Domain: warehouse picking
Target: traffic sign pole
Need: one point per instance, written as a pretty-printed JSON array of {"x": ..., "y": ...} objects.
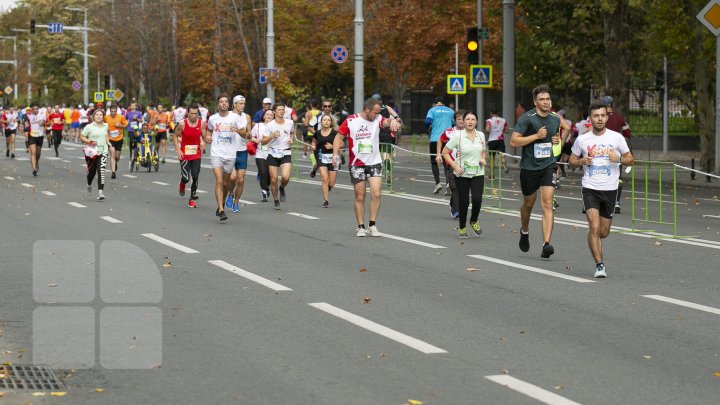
[{"x": 479, "y": 94}]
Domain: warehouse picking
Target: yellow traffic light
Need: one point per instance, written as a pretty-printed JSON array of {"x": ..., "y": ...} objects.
[{"x": 472, "y": 45}]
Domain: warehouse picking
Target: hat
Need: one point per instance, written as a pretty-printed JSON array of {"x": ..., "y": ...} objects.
[
  {"x": 267, "y": 101},
  {"x": 439, "y": 100},
  {"x": 239, "y": 98},
  {"x": 607, "y": 100},
  {"x": 80, "y": 105},
  {"x": 376, "y": 96}
]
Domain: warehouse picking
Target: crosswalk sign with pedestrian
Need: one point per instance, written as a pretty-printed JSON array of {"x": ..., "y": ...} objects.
[
  {"x": 481, "y": 76},
  {"x": 456, "y": 84}
]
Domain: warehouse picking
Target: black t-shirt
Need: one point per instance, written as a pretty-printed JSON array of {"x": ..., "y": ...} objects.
[
  {"x": 537, "y": 155},
  {"x": 321, "y": 140}
]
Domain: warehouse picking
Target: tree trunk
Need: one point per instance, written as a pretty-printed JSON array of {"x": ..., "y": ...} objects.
[
  {"x": 618, "y": 57},
  {"x": 705, "y": 85}
]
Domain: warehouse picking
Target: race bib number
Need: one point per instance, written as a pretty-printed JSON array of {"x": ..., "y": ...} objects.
[
  {"x": 56, "y": 120},
  {"x": 543, "y": 150},
  {"x": 600, "y": 167},
  {"x": 114, "y": 134},
  {"x": 326, "y": 158},
  {"x": 191, "y": 149},
  {"x": 34, "y": 132},
  {"x": 162, "y": 126},
  {"x": 471, "y": 170},
  {"x": 134, "y": 125},
  {"x": 264, "y": 147},
  {"x": 277, "y": 153},
  {"x": 365, "y": 147}
]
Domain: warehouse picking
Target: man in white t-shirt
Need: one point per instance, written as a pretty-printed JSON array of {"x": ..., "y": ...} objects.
[
  {"x": 237, "y": 178},
  {"x": 279, "y": 137},
  {"x": 363, "y": 135},
  {"x": 600, "y": 152},
  {"x": 496, "y": 128},
  {"x": 222, "y": 130},
  {"x": 34, "y": 134}
]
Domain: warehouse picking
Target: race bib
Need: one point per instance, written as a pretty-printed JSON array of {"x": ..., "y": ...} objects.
[
  {"x": 34, "y": 132},
  {"x": 365, "y": 147},
  {"x": 600, "y": 167},
  {"x": 56, "y": 120},
  {"x": 326, "y": 158},
  {"x": 264, "y": 147},
  {"x": 191, "y": 149},
  {"x": 134, "y": 125},
  {"x": 543, "y": 150},
  {"x": 114, "y": 134},
  {"x": 162, "y": 126},
  {"x": 471, "y": 170},
  {"x": 277, "y": 153}
]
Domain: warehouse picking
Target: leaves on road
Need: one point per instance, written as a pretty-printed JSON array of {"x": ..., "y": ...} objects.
[
  {"x": 366, "y": 300},
  {"x": 559, "y": 387},
  {"x": 414, "y": 402},
  {"x": 568, "y": 268},
  {"x": 58, "y": 394},
  {"x": 168, "y": 264},
  {"x": 647, "y": 357},
  {"x": 658, "y": 243},
  {"x": 472, "y": 269},
  {"x": 363, "y": 269},
  {"x": 99, "y": 389},
  {"x": 716, "y": 374},
  {"x": 52, "y": 285}
]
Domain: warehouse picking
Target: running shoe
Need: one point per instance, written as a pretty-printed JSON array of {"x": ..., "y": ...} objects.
[
  {"x": 618, "y": 210},
  {"x": 235, "y": 208},
  {"x": 57, "y": 154},
  {"x": 192, "y": 204},
  {"x": 600, "y": 271},
  {"x": 277, "y": 204},
  {"x": 282, "y": 194},
  {"x": 221, "y": 215},
  {"x": 112, "y": 176},
  {"x": 326, "y": 204},
  {"x": 547, "y": 251},
  {"x": 228, "y": 201},
  {"x": 454, "y": 214},
  {"x": 182, "y": 189},
  {"x": 313, "y": 172},
  {"x": 462, "y": 233},
  {"x": 555, "y": 204},
  {"x": 373, "y": 231},
  {"x": 437, "y": 189},
  {"x": 12, "y": 156},
  {"x": 361, "y": 232},
  {"x": 524, "y": 241},
  {"x": 264, "y": 195},
  {"x": 89, "y": 190},
  {"x": 447, "y": 190},
  {"x": 100, "y": 196},
  {"x": 162, "y": 161},
  {"x": 476, "y": 228},
  {"x": 7, "y": 153},
  {"x": 35, "y": 173}
]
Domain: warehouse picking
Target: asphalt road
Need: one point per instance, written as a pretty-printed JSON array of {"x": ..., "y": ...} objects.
[{"x": 291, "y": 307}]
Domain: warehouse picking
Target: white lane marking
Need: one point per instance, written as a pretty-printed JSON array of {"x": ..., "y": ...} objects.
[
  {"x": 533, "y": 391},
  {"x": 246, "y": 202},
  {"x": 112, "y": 220},
  {"x": 422, "y": 181},
  {"x": 160, "y": 183},
  {"x": 250, "y": 276},
  {"x": 22, "y": 159},
  {"x": 9, "y": 178},
  {"x": 413, "y": 241},
  {"x": 297, "y": 214},
  {"x": 130, "y": 176},
  {"x": 704, "y": 216},
  {"x": 533, "y": 269},
  {"x": 48, "y": 193},
  {"x": 377, "y": 328},
  {"x": 66, "y": 161},
  {"x": 170, "y": 243},
  {"x": 52, "y": 158},
  {"x": 202, "y": 192},
  {"x": 72, "y": 146},
  {"x": 76, "y": 205},
  {"x": 687, "y": 304},
  {"x": 172, "y": 160},
  {"x": 27, "y": 185}
]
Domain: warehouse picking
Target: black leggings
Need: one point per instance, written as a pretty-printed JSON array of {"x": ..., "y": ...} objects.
[
  {"x": 57, "y": 138},
  {"x": 97, "y": 165},
  {"x": 465, "y": 186},
  {"x": 190, "y": 169},
  {"x": 432, "y": 149},
  {"x": 264, "y": 173}
]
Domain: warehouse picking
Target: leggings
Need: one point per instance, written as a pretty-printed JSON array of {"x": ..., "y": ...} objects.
[
  {"x": 188, "y": 169},
  {"x": 450, "y": 179},
  {"x": 264, "y": 174},
  {"x": 465, "y": 186},
  {"x": 432, "y": 148},
  {"x": 57, "y": 138},
  {"x": 97, "y": 165}
]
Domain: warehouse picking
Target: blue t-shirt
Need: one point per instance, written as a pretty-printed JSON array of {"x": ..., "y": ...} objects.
[
  {"x": 258, "y": 117},
  {"x": 441, "y": 118},
  {"x": 132, "y": 117}
]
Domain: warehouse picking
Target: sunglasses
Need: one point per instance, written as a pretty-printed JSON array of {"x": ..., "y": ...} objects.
[{"x": 326, "y": 106}]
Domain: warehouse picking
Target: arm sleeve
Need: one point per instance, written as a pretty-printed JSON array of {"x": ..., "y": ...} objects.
[{"x": 344, "y": 130}]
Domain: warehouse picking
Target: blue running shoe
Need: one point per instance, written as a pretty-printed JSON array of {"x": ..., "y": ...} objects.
[
  {"x": 228, "y": 201},
  {"x": 235, "y": 208}
]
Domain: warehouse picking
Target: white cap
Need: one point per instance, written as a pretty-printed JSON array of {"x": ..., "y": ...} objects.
[
  {"x": 80, "y": 106},
  {"x": 238, "y": 98},
  {"x": 267, "y": 101}
]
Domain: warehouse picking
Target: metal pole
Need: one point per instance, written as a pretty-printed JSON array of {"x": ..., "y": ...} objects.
[
  {"x": 665, "y": 108},
  {"x": 480, "y": 104},
  {"x": 717, "y": 105},
  {"x": 29, "y": 91},
  {"x": 270, "y": 46},
  {"x": 509, "y": 62},
  {"x": 86, "y": 78},
  {"x": 359, "y": 85},
  {"x": 457, "y": 105},
  {"x": 16, "y": 66}
]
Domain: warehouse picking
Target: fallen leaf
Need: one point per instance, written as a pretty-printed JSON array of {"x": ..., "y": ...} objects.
[
  {"x": 158, "y": 366},
  {"x": 514, "y": 231},
  {"x": 505, "y": 371},
  {"x": 716, "y": 374},
  {"x": 697, "y": 201},
  {"x": 207, "y": 235},
  {"x": 568, "y": 268},
  {"x": 382, "y": 354},
  {"x": 2, "y": 394},
  {"x": 52, "y": 285},
  {"x": 167, "y": 265},
  {"x": 658, "y": 243},
  {"x": 559, "y": 387},
  {"x": 647, "y": 357},
  {"x": 471, "y": 269},
  {"x": 38, "y": 394},
  {"x": 363, "y": 269},
  {"x": 503, "y": 338},
  {"x": 366, "y": 300},
  {"x": 58, "y": 394},
  {"x": 414, "y": 402},
  {"x": 99, "y": 389},
  {"x": 502, "y": 226},
  {"x": 521, "y": 332}
]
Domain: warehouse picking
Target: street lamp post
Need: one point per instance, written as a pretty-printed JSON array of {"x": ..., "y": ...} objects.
[
  {"x": 29, "y": 64},
  {"x": 86, "y": 70},
  {"x": 14, "y": 62}
]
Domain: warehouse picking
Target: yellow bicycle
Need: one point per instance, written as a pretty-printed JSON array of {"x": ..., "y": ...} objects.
[{"x": 144, "y": 153}]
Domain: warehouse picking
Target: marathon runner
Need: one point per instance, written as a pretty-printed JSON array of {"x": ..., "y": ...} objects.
[
  {"x": 280, "y": 137},
  {"x": 322, "y": 146},
  {"x": 188, "y": 145},
  {"x": 238, "y": 175},
  {"x": 95, "y": 135},
  {"x": 160, "y": 121},
  {"x": 34, "y": 123},
  {"x": 10, "y": 120},
  {"x": 116, "y": 123}
]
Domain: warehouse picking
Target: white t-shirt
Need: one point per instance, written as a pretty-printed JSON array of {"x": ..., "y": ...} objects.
[
  {"x": 224, "y": 137},
  {"x": 280, "y": 146},
  {"x": 83, "y": 116},
  {"x": 363, "y": 139},
  {"x": 498, "y": 125},
  {"x": 602, "y": 174},
  {"x": 179, "y": 114},
  {"x": 12, "y": 120},
  {"x": 203, "y": 113},
  {"x": 37, "y": 124},
  {"x": 258, "y": 132},
  {"x": 242, "y": 142},
  {"x": 582, "y": 126},
  {"x": 288, "y": 112}
]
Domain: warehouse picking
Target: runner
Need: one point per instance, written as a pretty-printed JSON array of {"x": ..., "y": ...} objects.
[
  {"x": 438, "y": 119},
  {"x": 10, "y": 120},
  {"x": 134, "y": 118},
  {"x": 34, "y": 123},
  {"x": 84, "y": 116},
  {"x": 96, "y": 135},
  {"x": 238, "y": 175},
  {"x": 496, "y": 128},
  {"x": 469, "y": 171},
  {"x": 222, "y": 130},
  {"x": 266, "y": 103},
  {"x": 116, "y": 123},
  {"x": 188, "y": 145},
  {"x": 280, "y": 137},
  {"x": 449, "y": 175},
  {"x": 322, "y": 143},
  {"x": 363, "y": 133},
  {"x": 314, "y": 126},
  {"x": 601, "y": 152},
  {"x": 57, "y": 124},
  {"x": 160, "y": 121},
  {"x": 536, "y": 131},
  {"x": 310, "y": 115},
  {"x": 75, "y": 123},
  {"x": 259, "y": 133}
]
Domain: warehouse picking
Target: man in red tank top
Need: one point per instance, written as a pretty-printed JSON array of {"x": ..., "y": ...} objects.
[{"x": 189, "y": 145}]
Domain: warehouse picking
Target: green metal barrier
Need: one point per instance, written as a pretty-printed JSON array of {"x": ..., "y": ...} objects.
[
  {"x": 387, "y": 152},
  {"x": 647, "y": 166},
  {"x": 493, "y": 178}
]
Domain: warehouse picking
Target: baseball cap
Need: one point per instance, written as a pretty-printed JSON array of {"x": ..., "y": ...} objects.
[
  {"x": 607, "y": 100},
  {"x": 240, "y": 98},
  {"x": 80, "y": 105},
  {"x": 376, "y": 96},
  {"x": 267, "y": 101}
]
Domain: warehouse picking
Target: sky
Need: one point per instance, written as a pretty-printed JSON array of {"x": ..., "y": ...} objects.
[{"x": 5, "y": 4}]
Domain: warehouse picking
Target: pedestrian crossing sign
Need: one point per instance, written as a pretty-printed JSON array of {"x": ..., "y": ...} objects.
[
  {"x": 456, "y": 84},
  {"x": 99, "y": 97},
  {"x": 481, "y": 76}
]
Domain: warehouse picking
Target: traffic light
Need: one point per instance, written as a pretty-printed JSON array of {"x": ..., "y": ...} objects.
[
  {"x": 32, "y": 26},
  {"x": 472, "y": 46},
  {"x": 107, "y": 81}
]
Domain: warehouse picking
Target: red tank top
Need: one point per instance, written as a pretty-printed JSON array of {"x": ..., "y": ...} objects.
[{"x": 190, "y": 142}]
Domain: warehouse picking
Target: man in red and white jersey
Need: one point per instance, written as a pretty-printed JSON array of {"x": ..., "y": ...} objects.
[
  {"x": 363, "y": 136},
  {"x": 496, "y": 128}
]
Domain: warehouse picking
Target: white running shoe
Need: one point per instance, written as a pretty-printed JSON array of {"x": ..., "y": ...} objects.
[
  {"x": 100, "y": 196},
  {"x": 373, "y": 231},
  {"x": 437, "y": 189},
  {"x": 361, "y": 232},
  {"x": 600, "y": 271}
]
